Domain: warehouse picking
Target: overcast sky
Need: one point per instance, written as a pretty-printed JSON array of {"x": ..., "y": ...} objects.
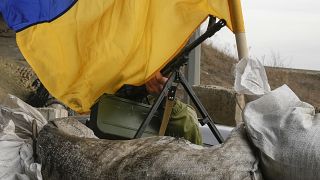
[{"x": 288, "y": 28}]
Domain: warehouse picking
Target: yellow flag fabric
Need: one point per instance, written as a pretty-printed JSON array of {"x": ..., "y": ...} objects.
[{"x": 97, "y": 46}]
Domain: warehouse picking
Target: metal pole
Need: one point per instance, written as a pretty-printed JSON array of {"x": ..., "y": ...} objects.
[
  {"x": 242, "y": 47},
  {"x": 192, "y": 70},
  {"x": 238, "y": 28}
]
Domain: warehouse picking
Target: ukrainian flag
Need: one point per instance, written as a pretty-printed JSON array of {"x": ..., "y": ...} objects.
[{"x": 81, "y": 49}]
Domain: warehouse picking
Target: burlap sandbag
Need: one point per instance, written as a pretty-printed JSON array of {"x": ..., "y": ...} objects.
[{"x": 287, "y": 133}]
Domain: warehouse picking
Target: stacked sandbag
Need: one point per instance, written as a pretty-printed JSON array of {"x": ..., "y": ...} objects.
[
  {"x": 66, "y": 155},
  {"x": 287, "y": 133},
  {"x": 16, "y": 143}
]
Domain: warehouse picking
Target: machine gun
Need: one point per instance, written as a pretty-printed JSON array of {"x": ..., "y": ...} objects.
[
  {"x": 182, "y": 57},
  {"x": 116, "y": 129},
  {"x": 175, "y": 78}
]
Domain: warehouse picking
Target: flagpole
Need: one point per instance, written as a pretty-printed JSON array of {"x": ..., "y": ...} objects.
[
  {"x": 242, "y": 47},
  {"x": 238, "y": 28}
]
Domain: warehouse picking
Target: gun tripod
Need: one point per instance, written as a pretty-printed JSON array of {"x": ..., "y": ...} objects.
[{"x": 176, "y": 78}]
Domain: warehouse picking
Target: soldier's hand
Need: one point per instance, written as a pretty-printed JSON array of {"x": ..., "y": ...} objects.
[{"x": 156, "y": 83}]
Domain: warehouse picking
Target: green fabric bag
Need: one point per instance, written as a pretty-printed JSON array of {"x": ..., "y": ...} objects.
[{"x": 113, "y": 117}]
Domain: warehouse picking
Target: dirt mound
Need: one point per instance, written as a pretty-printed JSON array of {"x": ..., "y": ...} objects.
[
  {"x": 16, "y": 78},
  {"x": 216, "y": 67}
]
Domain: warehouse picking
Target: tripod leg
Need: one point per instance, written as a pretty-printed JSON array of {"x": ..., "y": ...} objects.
[
  {"x": 206, "y": 118},
  {"x": 155, "y": 106}
]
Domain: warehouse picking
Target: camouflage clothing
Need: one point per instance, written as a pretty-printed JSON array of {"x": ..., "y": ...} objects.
[{"x": 184, "y": 123}]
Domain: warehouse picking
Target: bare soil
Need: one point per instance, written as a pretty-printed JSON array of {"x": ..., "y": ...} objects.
[{"x": 16, "y": 76}]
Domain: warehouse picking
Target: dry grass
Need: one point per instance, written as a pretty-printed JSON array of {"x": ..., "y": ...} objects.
[{"x": 216, "y": 67}]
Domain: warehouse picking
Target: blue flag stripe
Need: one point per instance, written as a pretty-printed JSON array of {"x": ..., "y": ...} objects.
[{"x": 21, "y": 14}]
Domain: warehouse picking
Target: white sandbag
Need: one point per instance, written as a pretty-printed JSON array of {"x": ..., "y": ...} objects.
[
  {"x": 16, "y": 155},
  {"x": 287, "y": 133},
  {"x": 251, "y": 78}
]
